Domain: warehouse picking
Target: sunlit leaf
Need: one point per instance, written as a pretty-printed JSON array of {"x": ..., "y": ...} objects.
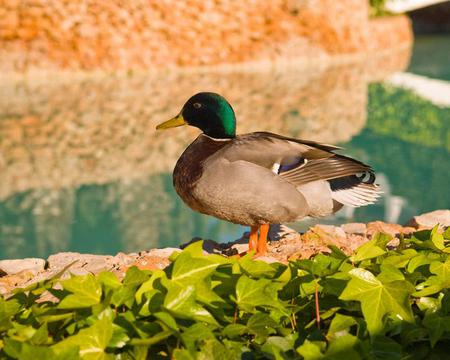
[
  {"x": 91, "y": 341},
  {"x": 180, "y": 301},
  {"x": 378, "y": 299},
  {"x": 373, "y": 248},
  {"x": 86, "y": 291}
]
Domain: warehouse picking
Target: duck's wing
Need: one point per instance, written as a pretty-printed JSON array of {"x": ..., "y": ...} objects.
[{"x": 302, "y": 162}]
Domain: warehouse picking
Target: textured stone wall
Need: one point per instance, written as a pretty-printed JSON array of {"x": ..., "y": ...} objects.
[{"x": 115, "y": 34}]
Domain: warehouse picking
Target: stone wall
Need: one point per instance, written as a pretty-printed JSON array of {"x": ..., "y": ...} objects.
[{"x": 115, "y": 34}]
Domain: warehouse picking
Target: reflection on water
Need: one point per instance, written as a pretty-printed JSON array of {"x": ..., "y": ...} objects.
[{"x": 83, "y": 170}]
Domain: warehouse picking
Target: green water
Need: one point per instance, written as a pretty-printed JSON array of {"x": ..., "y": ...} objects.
[{"x": 405, "y": 138}]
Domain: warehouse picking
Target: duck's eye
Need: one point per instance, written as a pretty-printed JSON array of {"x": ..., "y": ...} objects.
[{"x": 197, "y": 105}]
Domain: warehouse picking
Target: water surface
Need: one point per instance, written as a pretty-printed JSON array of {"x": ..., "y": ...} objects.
[{"x": 83, "y": 169}]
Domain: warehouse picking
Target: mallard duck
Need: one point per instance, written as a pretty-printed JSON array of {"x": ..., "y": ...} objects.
[{"x": 261, "y": 178}]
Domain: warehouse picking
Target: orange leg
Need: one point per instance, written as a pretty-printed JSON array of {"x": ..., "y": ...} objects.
[
  {"x": 253, "y": 239},
  {"x": 262, "y": 242}
]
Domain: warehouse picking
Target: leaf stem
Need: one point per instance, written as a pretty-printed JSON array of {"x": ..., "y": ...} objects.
[{"x": 316, "y": 297}]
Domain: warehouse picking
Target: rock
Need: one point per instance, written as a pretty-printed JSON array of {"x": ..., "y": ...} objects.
[
  {"x": 10, "y": 282},
  {"x": 149, "y": 262},
  {"x": 277, "y": 232},
  {"x": 354, "y": 228},
  {"x": 82, "y": 263},
  {"x": 11, "y": 267},
  {"x": 428, "y": 220},
  {"x": 163, "y": 253},
  {"x": 330, "y": 230},
  {"x": 240, "y": 248},
  {"x": 386, "y": 228}
]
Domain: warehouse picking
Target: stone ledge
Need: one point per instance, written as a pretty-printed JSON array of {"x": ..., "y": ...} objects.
[{"x": 285, "y": 244}]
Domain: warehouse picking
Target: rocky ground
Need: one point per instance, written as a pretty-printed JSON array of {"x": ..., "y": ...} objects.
[{"x": 286, "y": 244}]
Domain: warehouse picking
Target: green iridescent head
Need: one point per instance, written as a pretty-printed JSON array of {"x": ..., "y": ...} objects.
[{"x": 208, "y": 111}]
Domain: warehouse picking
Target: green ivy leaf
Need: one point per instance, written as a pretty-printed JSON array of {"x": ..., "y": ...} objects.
[
  {"x": 40, "y": 337},
  {"x": 436, "y": 238},
  {"x": 261, "y": 325},
  {"x": 378, "y": 299},
  {"x": 8, "y": 308},
  {"x": 86, "y": 291},
  {"x": 148, "y": 284},
  {"x": 343, "y": 348},
  {"x": 375, "y": 247},
  {"x": 441, "y": 269},
  {"x": 312, "y": 350},
  {"x": 340, "y": 323},
  {"x": 91, "y": 341},
  {"x": 389, "y": 272},
  {"x": 180, "y": 301},
  {"x": 417, "y": 261},
  {"x": 257, "y": 268},
  {"x": 436, "y": 325},
  {"x": 446, "y": 234},
  {"x": 134, "y": 277},
  {"x": 431, "y": 285},
  {"x": 386, "y": 348},
  {"x": 108, "y": 280},
  {"x": 252, "y": 293},
  {"x": 195, "y": 334}
]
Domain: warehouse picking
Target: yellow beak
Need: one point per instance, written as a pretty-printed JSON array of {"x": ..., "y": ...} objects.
[{"x": 176, "y": 121}]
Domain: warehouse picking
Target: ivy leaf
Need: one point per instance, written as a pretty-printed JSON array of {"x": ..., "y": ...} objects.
[
  {"x": 252, "y": 293},
  {"x": 189, "y": 270},
  {"x": 167, "y": 320},
  {"x": 386, "y": 348},
  {"x": 257, "y": 268},
  {"x": 7, "y": 310},
  {"x": 431, "y": 285},
  {"x": 312, "y": 350},
  {"x": 134, "y": 277},
  {"x": 213, "y": 349},
  {"x": 340, "y": 323},
  {"x": 40, "y": 337},
  {"x": 378, "y": 299},
  {"x": 180, "y": 301},
  {"x": 417, "y": 261},
  {"x": 108, "y": 280},
  {"x": 446, "y": 234},
  {"x": 436, "y": 325},
  {"x": 123, "y": 296},
  {"x": 436, "y": 238},
  {"x": 428, "y": 239},
  {"x": 91, "y": 341},
  {"x": 441, "y": 269},
  {"x": 196, "y": 333},
  {"x": 119, "y": 337},
  {"x": 234, "y": 330},
  {"x": 148, "y": 285},
  {"x": 261, "y": 325},
  {"x": 343, "y": 348},
  {"x": 389, "y": 273},
  {"x": 86, "y": 291},
  {"x": 373, "y": 248}
]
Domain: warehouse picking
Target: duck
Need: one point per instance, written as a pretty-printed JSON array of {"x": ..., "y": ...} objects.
[{"x": 261, "y": 178}]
